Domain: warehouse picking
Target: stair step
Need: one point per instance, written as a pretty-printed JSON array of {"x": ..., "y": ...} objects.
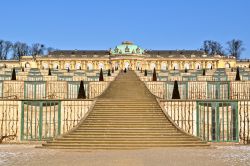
[
  {"x": 138, "y": 121},
  {"x": 125, "y": 134},
  {"x": 148, "y": 103},
  {"x": 116, "y": 136},
  {"x": 77, "y": 146},
  {"x": 126, "y": 116},
  {"x": 126, "y": 138},
  {"x": 124, "y": 113},
  {"x": 120, "y": 126},
  {"x": 125, "y": 129},
  {"x": 127, "y": 122},
  {"x": 98, "y": 142},
  {"x": 126, "y": 108}
]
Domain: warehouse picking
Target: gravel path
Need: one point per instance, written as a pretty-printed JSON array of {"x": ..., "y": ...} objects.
[{"x": 216, "y": 155}]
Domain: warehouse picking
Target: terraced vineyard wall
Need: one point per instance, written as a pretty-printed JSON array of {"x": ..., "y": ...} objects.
[{"x": 36, "y": 120}]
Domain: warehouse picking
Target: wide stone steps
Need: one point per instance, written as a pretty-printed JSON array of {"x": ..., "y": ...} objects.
[
  {"x": 126, "y": 142},
  {"x": 126, "y": 116},
  {"x": 107, "y": 131},
  {"x": 96, "y": 134},
  {"x": 128, "y": 121},
  {"x": 148, "y": 138},
  {"x": 121, "y": 145},
  {"x": 124, "y": 122},
  {"x": 116, "y": 136},
  {"x": 127, "y": 126}
]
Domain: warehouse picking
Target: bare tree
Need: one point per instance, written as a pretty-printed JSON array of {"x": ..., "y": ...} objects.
[
  {"x": 19, "y": 50},
  {"x": 235, "y": 48},
  {"x": 5, "y": 48},
  {"x": 206, "y": 46},
  {"x": 216, "y": 48},
  {"x": 211, "y": 47},
  {"x": 37, "y": 49},
  {"x": 1, "y": 48}
]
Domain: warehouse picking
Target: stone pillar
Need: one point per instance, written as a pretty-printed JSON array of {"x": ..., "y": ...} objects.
[
  {"x": 181, "y": 65},
  {"x": 158, "y": 66},
  {"x": 192, "y": 65},
  {"x": 61, "y": 64},
  {"x": 94, "y": 65}
]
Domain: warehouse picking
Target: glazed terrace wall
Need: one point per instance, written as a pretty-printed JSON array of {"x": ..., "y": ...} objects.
[
  {"x": 56, "y": 78},
  {"x": 27, "y": 120},
  {"x": 196, "y": 75},
  {"x": 202, "y": 89},
  {"x": 49, "y": 89},
  {"x": 211, "y": 120}
]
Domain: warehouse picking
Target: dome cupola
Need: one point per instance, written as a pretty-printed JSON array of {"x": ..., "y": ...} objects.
[{"x": 127, "y": 47}]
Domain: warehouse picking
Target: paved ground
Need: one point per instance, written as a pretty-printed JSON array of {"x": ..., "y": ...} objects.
[{"x": 217, "y": 155}]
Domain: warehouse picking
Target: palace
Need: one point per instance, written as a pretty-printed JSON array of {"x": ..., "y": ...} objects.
[
  {"x": 190, "y": 99},
  {"x": 126, "y": 55}
]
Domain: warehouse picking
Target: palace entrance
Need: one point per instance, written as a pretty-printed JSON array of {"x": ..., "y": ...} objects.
[{"x": 127, "y": 65}]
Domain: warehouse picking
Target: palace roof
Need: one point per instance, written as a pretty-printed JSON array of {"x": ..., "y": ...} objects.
[
  {"x": 147, "y": 53},
  {"x": 127, "y": 49}
]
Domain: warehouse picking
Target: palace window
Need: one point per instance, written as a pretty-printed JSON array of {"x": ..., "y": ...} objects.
[{"x": 186, "y": 66}]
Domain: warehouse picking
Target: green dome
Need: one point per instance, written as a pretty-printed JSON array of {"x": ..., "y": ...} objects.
[{"x": 127, "y": 48}]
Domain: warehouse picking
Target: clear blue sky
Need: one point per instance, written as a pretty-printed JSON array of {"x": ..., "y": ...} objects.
[{"x": 102, "y": 24}]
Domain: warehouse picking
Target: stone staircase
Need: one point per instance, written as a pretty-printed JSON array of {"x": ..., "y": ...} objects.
[{"x": 126, "y": 116}]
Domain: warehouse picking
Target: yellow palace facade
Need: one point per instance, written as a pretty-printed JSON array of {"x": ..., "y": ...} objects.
[{"x": 125, "y": 55}]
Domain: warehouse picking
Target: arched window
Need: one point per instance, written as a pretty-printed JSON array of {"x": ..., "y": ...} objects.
[
  {"x": 126, "y": 65},
  {"x": 67, "y": 66},
  {"x": 163, "y": 66},
  {"x": 56, "y": 65},
  {"x": 227, "y": 65},
  {"x": 89, "y": 66},
  {"x": 186, "y": 66},
  {"x": 138, "y": 65},
  {"x": 175, "y": 66},
  {"x": 197, "y": 66},
  {"x": 101, "y": 65},
  {"x": 27, "y": 65},
  {"x": 78, "y": 66},
  {"x": 45, "y": 66},
  {"x": 209, "y": 65},
  {"x": 152, "y": 66}
]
